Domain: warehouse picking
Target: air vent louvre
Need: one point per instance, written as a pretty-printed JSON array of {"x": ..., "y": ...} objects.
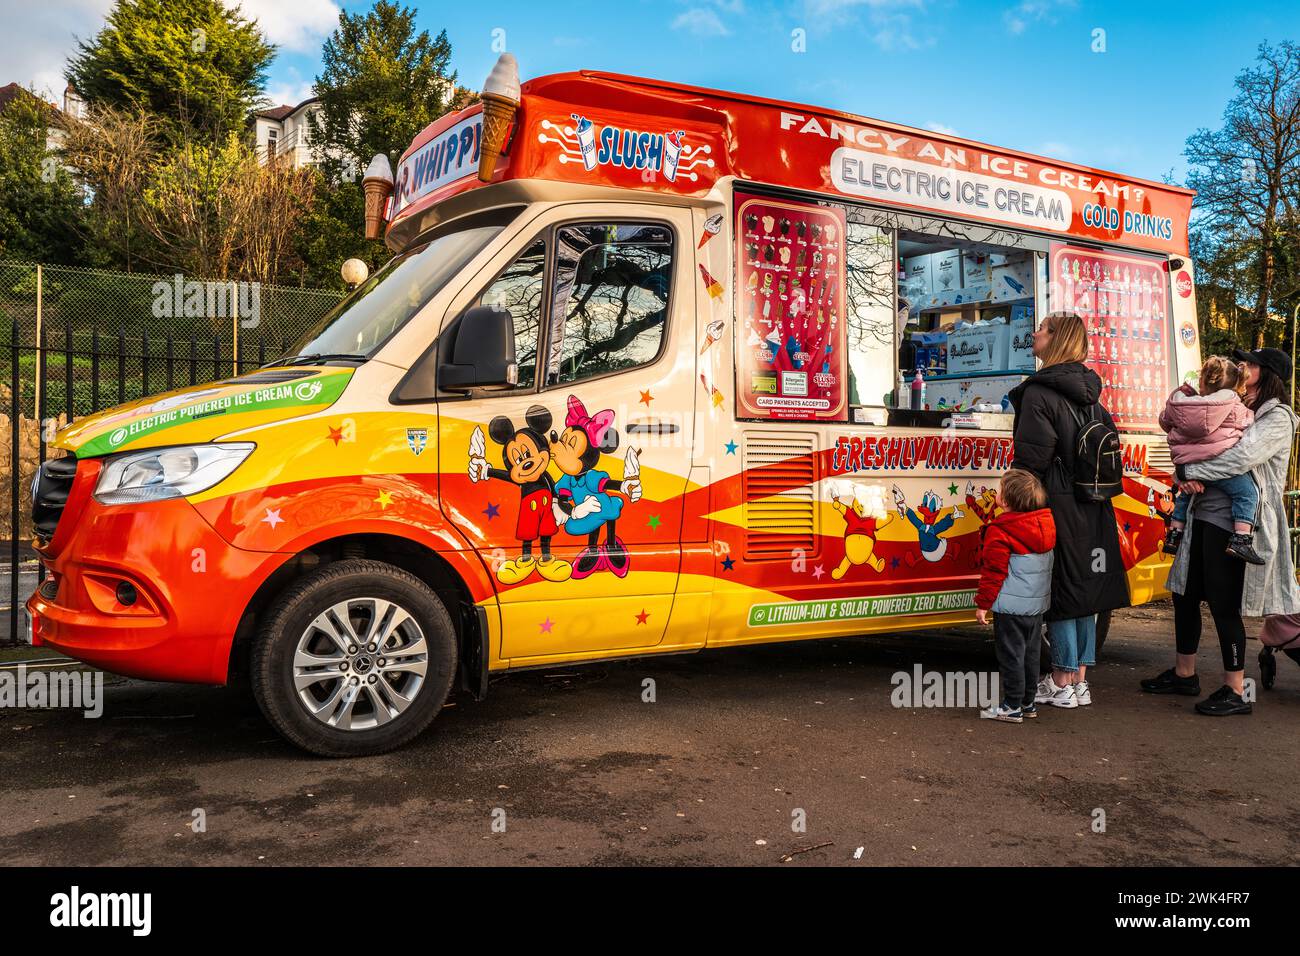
[{"x": 779, "y": 508}]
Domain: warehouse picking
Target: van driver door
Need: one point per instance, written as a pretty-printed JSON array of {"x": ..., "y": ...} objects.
[{"x": 571, "y": 483}]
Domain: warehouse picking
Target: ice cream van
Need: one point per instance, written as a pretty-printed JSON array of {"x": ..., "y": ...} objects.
[{"x": 652, "y": 369}]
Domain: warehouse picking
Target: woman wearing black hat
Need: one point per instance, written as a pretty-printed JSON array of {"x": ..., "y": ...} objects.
[{"x": 1203, "y": 571}]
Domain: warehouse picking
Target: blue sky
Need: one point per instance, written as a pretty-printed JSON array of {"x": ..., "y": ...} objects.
[{"x": 1015, "y": 74}]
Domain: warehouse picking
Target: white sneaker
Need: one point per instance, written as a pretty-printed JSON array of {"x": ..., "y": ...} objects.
[
  {"x": 1002, "y": 712},
  {"x": 1049, "y": 693},
  {"x": 1082, "y": 694}
]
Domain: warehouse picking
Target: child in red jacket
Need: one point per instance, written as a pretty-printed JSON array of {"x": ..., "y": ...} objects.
[{"x": 1016, "y": 585}]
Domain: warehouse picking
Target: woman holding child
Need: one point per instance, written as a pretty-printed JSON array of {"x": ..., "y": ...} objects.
[
  {"x": 1234, "y": 554},
  {"x": 1088, "y": 572}
]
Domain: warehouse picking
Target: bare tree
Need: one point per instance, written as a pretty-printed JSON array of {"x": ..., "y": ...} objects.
[
  {"x": 1247, "y": 173},
  {"x": 113, "y": 153}
]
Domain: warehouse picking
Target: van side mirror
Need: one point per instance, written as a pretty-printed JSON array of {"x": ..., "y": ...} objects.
[{"x": 483, "y": 355}]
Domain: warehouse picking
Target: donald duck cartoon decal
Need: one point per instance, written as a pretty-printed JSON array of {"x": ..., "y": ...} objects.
[{"x": 931, "y": 521}]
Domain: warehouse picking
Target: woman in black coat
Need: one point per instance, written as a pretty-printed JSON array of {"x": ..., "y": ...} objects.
[{"x": 1088, "y": 576}]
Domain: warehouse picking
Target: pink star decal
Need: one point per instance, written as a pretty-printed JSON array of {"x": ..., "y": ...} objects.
[
  {"x": 273, "y": 517},
  {"x": 818, "y": 571},
  {"x": 546, "y": 626}
]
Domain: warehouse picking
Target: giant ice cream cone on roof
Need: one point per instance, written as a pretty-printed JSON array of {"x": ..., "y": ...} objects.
[
  {"x": 378, "y": 186},
  {"x": 500, "y": 102}
]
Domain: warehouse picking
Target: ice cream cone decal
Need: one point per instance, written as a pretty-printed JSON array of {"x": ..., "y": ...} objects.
[
  {"x": 712, "y": 226},
  {"x": 500, "y": 102},
  {"x": 712, "y": 333},
  {"x": 712, "y": 285}
]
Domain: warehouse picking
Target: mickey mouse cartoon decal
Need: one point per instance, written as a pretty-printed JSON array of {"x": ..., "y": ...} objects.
[
  {"x": 584, "y": 493},
  {"x": 526, "y": 454}
]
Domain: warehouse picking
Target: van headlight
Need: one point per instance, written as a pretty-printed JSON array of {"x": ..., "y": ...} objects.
[{"x": 162, "y": 473}]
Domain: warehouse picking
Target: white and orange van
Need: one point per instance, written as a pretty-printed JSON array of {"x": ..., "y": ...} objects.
[{"x": 680, "y": 369}]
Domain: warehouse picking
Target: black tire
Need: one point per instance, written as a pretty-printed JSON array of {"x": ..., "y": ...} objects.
[
  {"x": 289, "y": 621},
  {"x": 1103, "y": 631}
]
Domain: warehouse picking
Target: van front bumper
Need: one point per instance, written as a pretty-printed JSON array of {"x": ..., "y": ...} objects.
[{"x": 145, "y": 590}]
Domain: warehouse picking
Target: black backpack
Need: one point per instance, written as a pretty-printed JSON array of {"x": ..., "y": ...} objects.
[{"x": 1098, "y": 457}]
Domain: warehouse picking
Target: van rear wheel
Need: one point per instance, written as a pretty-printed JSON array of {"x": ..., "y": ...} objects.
[{"x": 354, "y": 659}]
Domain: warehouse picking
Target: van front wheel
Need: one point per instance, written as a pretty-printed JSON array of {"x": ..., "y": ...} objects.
[{"x": 354, "y": 659}]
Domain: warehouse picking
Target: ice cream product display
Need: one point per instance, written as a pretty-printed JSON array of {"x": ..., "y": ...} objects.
[
  {"x": 377, "y": 184},
  {"x": 500, "y": 102},
  {"x": 789, "y": 257},
  {"x": 1123, "y": 301}
]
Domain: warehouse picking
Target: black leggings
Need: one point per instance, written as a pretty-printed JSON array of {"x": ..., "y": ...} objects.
[{"x": 1216, "y": 578}]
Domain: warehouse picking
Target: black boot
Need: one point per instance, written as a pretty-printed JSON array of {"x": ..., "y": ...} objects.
[
  {"x": 1243, "y": 546},
  {"x": 1170, "y": 683},
  {"x": 1267, "y": 668},
  {"x": 1172, "y": 537}
]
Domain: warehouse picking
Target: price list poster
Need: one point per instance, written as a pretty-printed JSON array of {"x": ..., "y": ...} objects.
[
  {"x": 1124, "y": 302},
  {"x": 790, "y": 344}
]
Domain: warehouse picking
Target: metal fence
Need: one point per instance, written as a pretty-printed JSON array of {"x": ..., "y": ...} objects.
[{"x": 75, "y": 341}]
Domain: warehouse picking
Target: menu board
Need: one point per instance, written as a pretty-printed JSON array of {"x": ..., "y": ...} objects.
[
  {"x": 1124, "y": 302},
  {"x": 790, "y": 356}
]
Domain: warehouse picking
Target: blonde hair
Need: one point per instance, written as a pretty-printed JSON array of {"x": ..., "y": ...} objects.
[
  {"x": 1069, "y": 342},
  {"x": 1022, "y": 491},
  {"x": 1219, "y": 373}
]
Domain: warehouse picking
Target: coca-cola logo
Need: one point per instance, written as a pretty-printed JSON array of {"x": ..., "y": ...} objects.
[{"x": 1183, "y": 283}]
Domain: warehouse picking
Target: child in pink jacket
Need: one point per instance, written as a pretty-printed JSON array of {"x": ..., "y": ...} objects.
[{"x": 1203, "y": 423}]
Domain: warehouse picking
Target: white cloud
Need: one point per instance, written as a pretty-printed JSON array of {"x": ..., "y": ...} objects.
[
  {"x": 35, "y": 47},
  {"x": 940, "y": 128},
  {"x": 702, "y": 22},
  {"x": 299, "y": 25},
  {"x": 890, "y": 24},
  {"x": 1056, "y": 150},
  {"x": 289, "y": 92},
  {"x": 1027, "y": 12}
]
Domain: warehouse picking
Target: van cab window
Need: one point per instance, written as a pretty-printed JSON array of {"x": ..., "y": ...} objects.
[
  {"x": 386, "y": 301},
  {"x": 610, "y": 305},
  {"x": 518, "y": 290}
]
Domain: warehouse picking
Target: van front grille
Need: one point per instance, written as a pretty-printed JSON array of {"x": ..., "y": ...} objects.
[{"x": 50, "y": 490}]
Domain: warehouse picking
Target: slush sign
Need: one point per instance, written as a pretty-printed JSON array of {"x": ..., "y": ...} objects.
[{"x": 449, "y": 156}]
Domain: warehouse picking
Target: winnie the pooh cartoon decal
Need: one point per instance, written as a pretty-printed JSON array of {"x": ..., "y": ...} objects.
[{"x": 864, "y": 515}]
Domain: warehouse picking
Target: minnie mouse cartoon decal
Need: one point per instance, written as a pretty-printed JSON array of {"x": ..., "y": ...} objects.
[
  {"x": 583, "y": 492},
  {"x": 526, "y": 454}
]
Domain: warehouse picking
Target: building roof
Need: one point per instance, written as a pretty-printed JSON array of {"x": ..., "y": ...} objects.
[
  {"x": 11, "y": 92},
  {"x": 284, "y": 111}
]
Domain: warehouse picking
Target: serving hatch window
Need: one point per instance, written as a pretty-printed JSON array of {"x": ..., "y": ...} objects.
[{"x": 967, "y": 312}]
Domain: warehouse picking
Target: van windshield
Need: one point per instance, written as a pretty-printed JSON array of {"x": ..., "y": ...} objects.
[{"x": 356, "y": 328}]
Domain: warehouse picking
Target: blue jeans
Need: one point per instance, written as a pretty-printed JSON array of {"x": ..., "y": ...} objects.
[
  {"x": 1241, "y": 491},
  {"x": 1074, "y": 642}
]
